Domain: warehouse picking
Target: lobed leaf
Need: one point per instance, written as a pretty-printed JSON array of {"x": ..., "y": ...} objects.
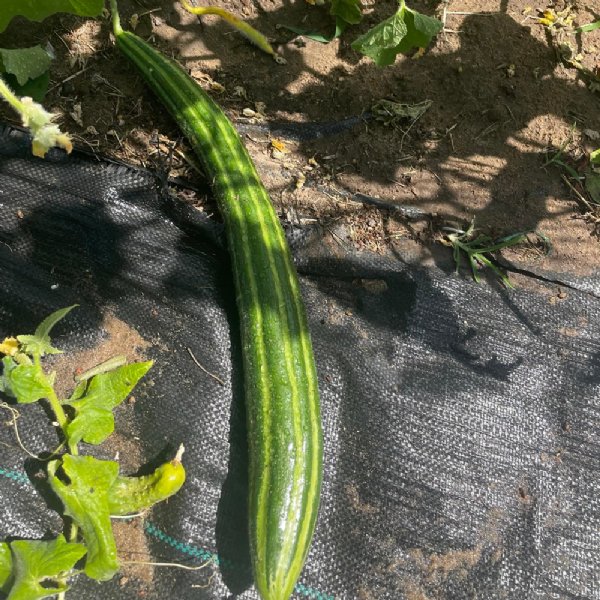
[
  {"x": 93, "y": 405},
  {"x": 39, "y": 343},
  {"x": 347, "y": 10},
  {"x": 380, "y": 42},
  {"x": 25, "y": 63},
  {"x": 85, "y": 498},
  {"x": 38, "y": 10},
  {"x": 421, "y": 30},
  {"x": 26, "y": 383},
  {"x": 399, "y": 33},
  {"x": 38, "y": 567}
]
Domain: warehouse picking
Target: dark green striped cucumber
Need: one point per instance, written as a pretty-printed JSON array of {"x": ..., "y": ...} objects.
[{"x": 282, "y": 399}]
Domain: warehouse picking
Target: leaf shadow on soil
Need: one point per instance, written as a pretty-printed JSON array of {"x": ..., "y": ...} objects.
[
  {"x": 477, "y": 152},
  {"x": 471, "y": 155},
  {"x": 473, "y": 151}
]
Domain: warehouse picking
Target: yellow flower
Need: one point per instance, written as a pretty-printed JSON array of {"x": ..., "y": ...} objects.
[
  {"x": 9, "y": 346},
  {"x": 45, "y": 133}
]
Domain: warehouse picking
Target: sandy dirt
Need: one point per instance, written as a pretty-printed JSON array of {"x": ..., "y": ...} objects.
[{"x": 502, "y": 104}]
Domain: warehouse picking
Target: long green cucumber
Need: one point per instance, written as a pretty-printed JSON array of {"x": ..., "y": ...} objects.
[{"x": 282, "y": 399}]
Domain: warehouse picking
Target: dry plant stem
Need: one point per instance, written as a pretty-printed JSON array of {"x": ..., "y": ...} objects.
[
  {"x": 168, "y": 564},
  {"x": 586, "y": 203},
  {"x": 197, "y": 362},
  {"x": 15, "y": 415}
]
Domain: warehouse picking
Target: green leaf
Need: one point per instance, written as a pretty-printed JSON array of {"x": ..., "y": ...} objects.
[
  {"x": 8, "y": 364},
  {"x": 592, "y": 186},
  {"x": 588, "y": 27},
  {"x": 25, "y": 63},
  {"x": 86, "y": 501},
  {"x": 347, "y": 10},
  {"x": 421, "y": 30},
  {"x": 45, "y": 327},
  {"x": 94, "y": 420},
  {"x": 39, "y": 565},
  {"x": 401, "y": 32},
  {"x": 27, "y": 383},
  {"x": 93, "y": 425},
  {"x": 5, "y": 566},
  {"x": 34, "y": 88},
  {"x": 340, "y": 26},
  {"x": 595, "y": 157},
  {"x": 380, "y": 42},
  {"x": 37, "y": 10},
  {"x": 39, "y": 343}
]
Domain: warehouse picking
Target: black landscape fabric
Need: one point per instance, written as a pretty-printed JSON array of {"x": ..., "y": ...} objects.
[{"x": 461, "y": 421}]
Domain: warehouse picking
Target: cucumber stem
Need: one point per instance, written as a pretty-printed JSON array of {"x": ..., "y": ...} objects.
[
  {"x": 10, "y": 97},
  {"x": 255, "y": 36},
  {"x": 179, "y": 454},
  {"x": 116, "y": 19},
  {"x": 55, "y": 405}
]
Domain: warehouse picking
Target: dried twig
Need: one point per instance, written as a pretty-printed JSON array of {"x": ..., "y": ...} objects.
[{"x": 215, "y": 377}]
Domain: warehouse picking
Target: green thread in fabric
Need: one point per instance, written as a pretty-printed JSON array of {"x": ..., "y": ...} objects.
[
  {"x": 15, "y": 476},
  {"x": 182, "y": 547},
  {"x": 311, "y": 593},
  {"x": 188, "y": 549},
  {"x": 202, "y": 554}
]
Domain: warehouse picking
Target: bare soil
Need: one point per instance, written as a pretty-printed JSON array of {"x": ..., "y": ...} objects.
[{"x": 502, "y": 104}]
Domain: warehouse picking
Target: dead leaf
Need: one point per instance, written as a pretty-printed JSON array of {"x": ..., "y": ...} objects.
[
  {"x": 279, "y": 145},
  {"x": 76, "y": 115}
]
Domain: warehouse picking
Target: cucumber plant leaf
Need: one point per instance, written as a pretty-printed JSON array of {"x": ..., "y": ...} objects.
[
  {"x": 94, "y": 401},
  {"x": 588, "y": 27},
  {"x": 38, "y": 10},
  {"x": 8, "y": 364},
  {"x": 25, "y": 63},
  {"x": 39, "y": 565},
  {"x": 5, "y": 566},
  {"x": 34, "y": 88},
  {"x": 38, "y": 344},
  {"x": 380, "y": 42},
  {"x": 340, "y": 26},
  {"x": 25, "y": 70},
  {"x": 347, "y": 10},
  {"x": 26, "y": 383},
  {"x": 592, "y": 186},
  {"x": 85, "y": 498},
  {"x": 399, "y": 33}
]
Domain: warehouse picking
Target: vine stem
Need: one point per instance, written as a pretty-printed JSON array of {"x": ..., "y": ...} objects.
[
  {"x": 10, "y": 97},
  {"x": 63, "y": 421},
  {"x": 57, "y": 409}
]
